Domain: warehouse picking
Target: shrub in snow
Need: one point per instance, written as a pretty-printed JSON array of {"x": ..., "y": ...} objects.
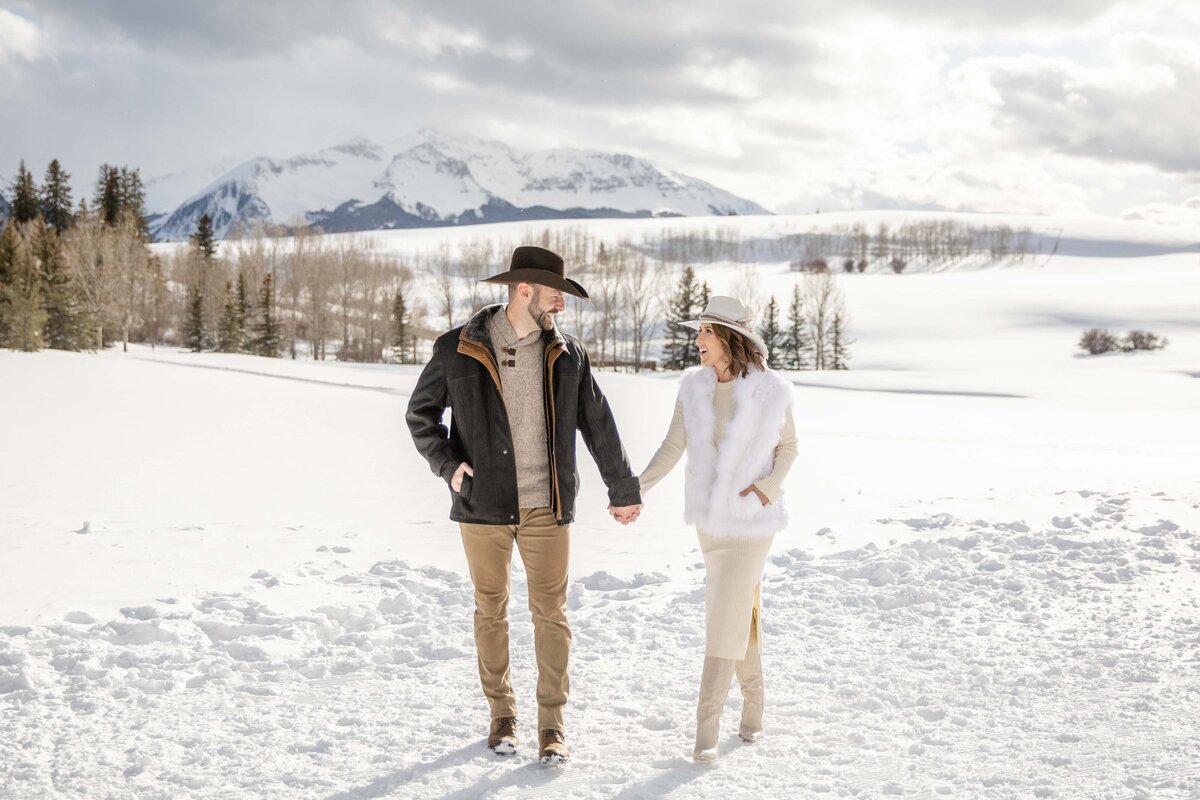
[
  {"x": 1097, "y": 341},
  {"x": 897, "y": 264},
  {"x": 1143, "y": 340},
  {"x": 848, "y": 265},
  {"x": 811, "y": 265}
]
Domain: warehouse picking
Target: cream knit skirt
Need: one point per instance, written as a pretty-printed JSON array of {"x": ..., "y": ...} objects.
[{"x": 733, "y": 572}]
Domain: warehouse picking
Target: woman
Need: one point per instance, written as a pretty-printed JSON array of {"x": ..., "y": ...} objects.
[{"x": 734, "y": 418}]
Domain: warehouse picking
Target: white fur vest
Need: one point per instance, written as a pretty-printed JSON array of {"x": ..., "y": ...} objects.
[{"x": 746, "y": 453}]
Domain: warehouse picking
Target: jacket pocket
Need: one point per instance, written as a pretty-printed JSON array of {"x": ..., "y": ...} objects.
[{"x": 468, "y": 484}]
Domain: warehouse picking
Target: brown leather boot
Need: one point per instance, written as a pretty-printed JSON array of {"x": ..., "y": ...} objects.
[
  {"x": 553, "y": 748},
  {"x": 502, "y": 738}
]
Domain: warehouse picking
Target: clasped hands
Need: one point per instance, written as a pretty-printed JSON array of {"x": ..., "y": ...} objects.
[
  {"x": 628, "y": 514},
  {"x": 625, "y": 514}
]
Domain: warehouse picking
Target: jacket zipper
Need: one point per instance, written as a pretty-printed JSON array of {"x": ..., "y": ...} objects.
[{"x": 552, "y": 354}]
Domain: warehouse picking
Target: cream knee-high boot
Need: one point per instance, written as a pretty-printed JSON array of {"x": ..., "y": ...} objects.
[
  {"x": 749, "y": 675},
  {"x": 714, "y": 688}
]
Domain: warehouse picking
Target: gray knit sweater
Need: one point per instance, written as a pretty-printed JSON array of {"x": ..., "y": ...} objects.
[{"x": 522, "y": 376}]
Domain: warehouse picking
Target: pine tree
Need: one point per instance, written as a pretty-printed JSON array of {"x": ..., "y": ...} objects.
[
  {"x": 56, "y": 197},
  {"x": 266, "y": 329},
  {"x": 193, "y": 331},
  {"x": 8, "y": 264},
  {"x": 25, "y": 313},
  {"x": 203, "y": 239},
  {"x": 133, "y": 198},
  {"x": 773, "y": 337},
  {"x": 797, "y": 342},
  {"x": 839, "y": 344},
  {"x": 231, "y": 333},
  {"x": 401, "y": 319},
  {"x": 26, "y": 206},
  {"x": 64, "y": 327},
  {"x": 107, "y": 199},
  {"x": 680, "y": 350},
  {"x": 245, "y": 304}
]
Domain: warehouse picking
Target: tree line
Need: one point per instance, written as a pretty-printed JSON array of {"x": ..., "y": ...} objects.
[{"x": 84, "y": 276}]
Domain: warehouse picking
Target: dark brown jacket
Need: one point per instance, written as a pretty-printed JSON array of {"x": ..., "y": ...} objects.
[{"x": 462, "y": 375}]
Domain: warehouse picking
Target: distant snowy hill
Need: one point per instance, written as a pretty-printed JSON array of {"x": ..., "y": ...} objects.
[{"x": 434, "y": 180}]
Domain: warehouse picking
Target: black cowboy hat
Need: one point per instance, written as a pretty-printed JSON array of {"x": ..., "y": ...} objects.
[{"x": 530, "y": 264}]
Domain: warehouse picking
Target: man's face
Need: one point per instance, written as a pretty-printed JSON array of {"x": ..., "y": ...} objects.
[{"x": 544, "y": 305}]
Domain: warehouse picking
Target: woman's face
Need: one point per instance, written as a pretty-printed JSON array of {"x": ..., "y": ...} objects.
[{"x": 713, "y": 352}]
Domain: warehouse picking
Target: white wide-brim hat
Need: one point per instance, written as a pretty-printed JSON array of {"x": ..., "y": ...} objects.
[{"x": 731, "y": 313}]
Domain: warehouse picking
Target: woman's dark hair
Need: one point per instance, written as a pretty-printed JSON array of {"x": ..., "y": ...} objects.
[{"x": 743, "y": 355}]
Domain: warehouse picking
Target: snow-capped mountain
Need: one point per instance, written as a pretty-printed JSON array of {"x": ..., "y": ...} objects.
[{"x": 436, "y": 180}]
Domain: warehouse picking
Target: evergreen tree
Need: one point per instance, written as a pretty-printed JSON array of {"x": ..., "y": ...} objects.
[
  {"x": 231, "y": 331},
  {"x": 401, "y": 319},
  {"x": 267, "y": 338},
  {"x": 56, "y": 197},
  {"x": 107, "y": 199},
  {"x": 680, "y": 350},
  {"x": 132, "y": 196},
  {"x": 25, "y": 313},
  {"x": 773, "y": 336},
  {"x": 65, "y": 325},
  {"x": 839, "y": 344},
  {"x": 25, "y": 203},
  {"x": 193, "y": 331},
  {"x": 797, "y": 342},
  {"x": 203, "y": 239},
  {"x": 245, "y": 304},
  {"x": 8, "y": 264}
]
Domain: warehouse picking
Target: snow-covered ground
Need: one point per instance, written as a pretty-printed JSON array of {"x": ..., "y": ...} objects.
[{"x": 223, "y": 576}]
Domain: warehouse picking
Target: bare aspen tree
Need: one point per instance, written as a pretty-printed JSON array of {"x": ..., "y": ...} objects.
[
  {"x": 317, "y": 277},
  {"x": 350, "y": 258},
  {"x": 290, "y": 274},
  {"x": 822, "y": 295},
  {"x": 97, "y": 280},
  {"x": 580, "y": 310},
  {"x": 474, "y": 264},
  {"x": 442, "y": 268},
  {"x": 749, "y": 288},
  {"x": 130, "y": 261},
  {"x": 606, "y": 281},
  {"x": 639, "y": 298}
]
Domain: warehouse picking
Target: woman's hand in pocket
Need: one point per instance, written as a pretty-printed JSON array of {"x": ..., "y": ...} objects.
[{"x": 762, "y": 498}]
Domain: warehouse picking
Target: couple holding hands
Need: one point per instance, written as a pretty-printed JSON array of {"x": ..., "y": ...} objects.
[{"x": 518, "y": 390}]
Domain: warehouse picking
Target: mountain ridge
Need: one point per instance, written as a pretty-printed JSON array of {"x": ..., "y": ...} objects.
[{"x": 438, "y": 180}]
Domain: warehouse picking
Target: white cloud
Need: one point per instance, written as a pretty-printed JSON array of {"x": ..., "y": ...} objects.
[
  {"x": 20, "y": 38},
  {"x": 1025, "y": 106}
]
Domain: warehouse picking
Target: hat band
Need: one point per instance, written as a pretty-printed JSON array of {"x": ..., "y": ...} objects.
[{"x": 727, "y": 320}]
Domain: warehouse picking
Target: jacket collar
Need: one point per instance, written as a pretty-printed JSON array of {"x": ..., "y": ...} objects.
[{"x": 478, "y": 329}]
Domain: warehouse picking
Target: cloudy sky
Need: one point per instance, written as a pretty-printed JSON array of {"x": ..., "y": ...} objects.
[{"x": 1023, "y": 105}]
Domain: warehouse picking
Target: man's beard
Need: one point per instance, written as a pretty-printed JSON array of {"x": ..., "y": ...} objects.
[{"x": 543, "y": 318}]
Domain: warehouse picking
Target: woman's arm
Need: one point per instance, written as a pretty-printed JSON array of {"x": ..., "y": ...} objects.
[
  {"x": 785, "y": 454},
  {"x": 669, "y": 452}
]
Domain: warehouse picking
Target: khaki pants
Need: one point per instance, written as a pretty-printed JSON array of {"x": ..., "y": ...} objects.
[{"x": 545, "y": 548}]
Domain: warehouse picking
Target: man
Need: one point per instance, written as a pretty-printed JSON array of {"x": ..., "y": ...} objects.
[{"x": 518, "y": 390}]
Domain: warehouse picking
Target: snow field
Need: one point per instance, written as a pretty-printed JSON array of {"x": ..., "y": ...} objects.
[
  {"x": 1054, "y": 658},
  {"x": 224, "y": 576}
]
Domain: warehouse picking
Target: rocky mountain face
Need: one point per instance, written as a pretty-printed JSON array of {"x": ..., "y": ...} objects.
[{"x": 434, "y": 180}]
